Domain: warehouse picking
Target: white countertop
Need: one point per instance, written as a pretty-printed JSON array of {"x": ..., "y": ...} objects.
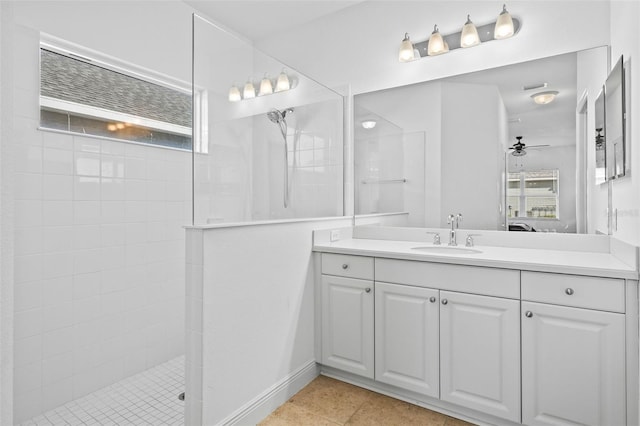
[{"x": 556, "y": 261}]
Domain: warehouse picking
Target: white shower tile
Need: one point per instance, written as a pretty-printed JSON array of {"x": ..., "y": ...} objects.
[
  {"x": 57, "y": 368},
  {"x": 57, "y": 342},
  {"x": 140, "y": 151},
  {"x": 112, "y": 212},
  {"x": 156, "y": 190},
  {"x": 27, "y": 268},
  {"x": 135, "y": 168},
  {"x": 156, "y": 211},
  {"x": 135, "y": 189},
  {"x": 57, "y": 161},
  {"x": 112, "y": 234},
  {"x": 57, "y": 316},
  {"x": 113, "y": 147},
  {"x": 29, "y": 159},
  {"x": 156, "y": 170},
  {"x": 86, "y": 286},
  {"x": 113, "y": 280},
  {"x": 87, "y": 213},
  {"x": 28, "y": 213},
  {"x": 135, "y": 254},
  {"x": 27, "y": 350},
  {"x": 86, "y": 188},
  {"x": 135, "y": 211},
  {"x": 156, "y": 231},
  {"x": 58, "y": 264},
  {"x": 28, "y": 323},
  {"x": 27, "y": 378},
  {"x": 87, "y": 261},
  {"x": 85, "y": 144},
  {"x": 87, "y": 164},
  {"x": 86, "y": 237},
  {"x": 27, "y": 405},
  {"x": 57, "y": 187},
  {"x": 112, "y": 303},
  {"x": 57, "y": 238},
  {"x": 56, "y": 394},
  {"x": 28, "y": 186},
  {"x": 57, "y": 213},
  {"x": 28, "y": 241},
  {"x": 112, "y": 166},
  {"x": 27, "y": 296},
  {"x": 57, "y": 140},
  {"x": 56, "y": 291},
  {"x": 112, "y": 257},
  {"x": 112, "y": 189},
  {"x": 86, "y": 309}
]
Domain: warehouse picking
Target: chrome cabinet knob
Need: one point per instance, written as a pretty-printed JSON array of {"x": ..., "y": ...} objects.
[
  {"x": 528, "y": 314},
  {"x": 368, "y": 290},
  {"x": 345, "y": 266},
  {"x": 432, "y": 299},
  {"x": 445, "y": 301},
  {"x": 569, "y": 291}
]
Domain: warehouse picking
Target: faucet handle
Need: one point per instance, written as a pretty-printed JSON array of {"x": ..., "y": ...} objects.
[
  {"x": 469, "y": 239},
  {"x": 458, "y": 219},
  {"x": 450, "y": 219},
  {"x": 436, "y": 237}
]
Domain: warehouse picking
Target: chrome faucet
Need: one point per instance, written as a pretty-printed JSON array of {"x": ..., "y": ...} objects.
[
  {"x": 454, "y": 221},
  {"x": 436, "y": 237}
]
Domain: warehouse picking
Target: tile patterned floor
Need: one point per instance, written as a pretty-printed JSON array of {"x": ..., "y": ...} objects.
[
  {"x": 146, "y": 399},
  {"x": 329, "y": 402}
]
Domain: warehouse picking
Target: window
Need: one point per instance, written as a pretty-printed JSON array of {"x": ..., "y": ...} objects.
[
  {"x": 86, "y": 96},
  {"x": 533, "y": 194}
]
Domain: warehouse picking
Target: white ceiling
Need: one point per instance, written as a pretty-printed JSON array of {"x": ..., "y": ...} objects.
[{"x": 257, "y": 19}]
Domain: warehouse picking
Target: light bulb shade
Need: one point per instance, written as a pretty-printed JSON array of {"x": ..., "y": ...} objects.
[
  {"x": 469, "y": 36},
  {"x": 369, "y": 124},
  {"x": 544, "y": 98},
  {"x": 234, "y": 94},
  {"x": 283, "y": 82},
  {"x": 266, "y": 88},
  {"x": 406, "y": 50},
  {"x": 436, "y": 44},
  {"x": 504, "y": 25},
  {"x": 249, "y": 91}
]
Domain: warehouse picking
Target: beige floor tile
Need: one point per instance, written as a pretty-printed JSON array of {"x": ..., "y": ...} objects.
[
  {"x": 331, "y": 399},
  {"x": 381, "y": 410},
  {"x": 291, "y": 415}
]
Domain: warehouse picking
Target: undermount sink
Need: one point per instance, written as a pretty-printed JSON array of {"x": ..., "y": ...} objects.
[{"x": 446, "y": 250}]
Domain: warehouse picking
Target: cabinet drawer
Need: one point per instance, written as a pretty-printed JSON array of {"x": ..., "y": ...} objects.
[
  {"x": 465, "y": 279},
  {"x": 606, "y": 294},
  {"x": 345, "y": 265}
]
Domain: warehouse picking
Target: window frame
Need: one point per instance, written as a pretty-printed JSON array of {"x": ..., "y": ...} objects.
[{"x": 522, "y": 196}]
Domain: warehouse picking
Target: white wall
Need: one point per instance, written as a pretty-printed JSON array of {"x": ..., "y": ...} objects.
[
  {"x": 99, "y": 261},
  {"x": 625, "y": 40}
]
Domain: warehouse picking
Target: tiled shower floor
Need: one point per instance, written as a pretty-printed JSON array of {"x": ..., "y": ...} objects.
[{"x": 148, "y": 398}]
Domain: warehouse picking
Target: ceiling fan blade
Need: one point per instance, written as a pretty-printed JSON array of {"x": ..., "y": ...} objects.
[{"x": 536, "y": 146}]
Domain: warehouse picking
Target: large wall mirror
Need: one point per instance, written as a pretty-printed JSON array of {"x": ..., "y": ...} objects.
[{"x": 502, "y": 146}]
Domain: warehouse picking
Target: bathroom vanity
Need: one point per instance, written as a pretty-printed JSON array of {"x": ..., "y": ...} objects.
[{"x": 494, "y": 334}]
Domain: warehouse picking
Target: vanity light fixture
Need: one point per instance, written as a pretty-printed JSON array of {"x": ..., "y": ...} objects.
[
  {"x": 283, "y": 83},
  {"x": 406, "y": 53},
  {"x": 543, "y": 98},
  {"x": 504, "y": 25},
  {"x": 369, "y": 124},
  {"x": 249, "y": 90},
  {"x": 469, "y": 36},
  {"x": 266, "y": 88},
  {"x": 234, "y": 94},
  {"x": 437, "y": 45}
]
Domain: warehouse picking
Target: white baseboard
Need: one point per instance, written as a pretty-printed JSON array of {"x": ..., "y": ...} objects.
[{"x": 260, "y": 407}]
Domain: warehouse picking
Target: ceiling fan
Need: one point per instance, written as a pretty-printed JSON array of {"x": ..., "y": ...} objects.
[{"x": 519, "y": 147}]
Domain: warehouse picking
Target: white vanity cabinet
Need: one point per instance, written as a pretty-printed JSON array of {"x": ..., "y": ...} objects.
[
  {"x": 480, "y": 353},
  {"x": 573, "y": 359},
  {"x": 347, "y": 314},
  {"x": 407, "y": 348}
]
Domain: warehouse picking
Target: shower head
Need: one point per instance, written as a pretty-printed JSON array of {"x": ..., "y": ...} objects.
[{"x": 276, "y": 116}]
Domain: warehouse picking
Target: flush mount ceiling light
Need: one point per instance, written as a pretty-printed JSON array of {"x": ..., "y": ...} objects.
[
  {"x": 505, "y": 26},
  {"x": 406, "y": 53},
  {"x": 369, "y": 124},
  {"x": 469, "y": 36},
  {"x": 543, "y": 98}
]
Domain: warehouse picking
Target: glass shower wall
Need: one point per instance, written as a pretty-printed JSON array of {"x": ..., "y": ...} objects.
[{"x": 239, "y": 145}]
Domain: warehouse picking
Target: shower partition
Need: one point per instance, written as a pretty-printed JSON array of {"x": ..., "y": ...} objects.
[{"x": 268, "y": 141}]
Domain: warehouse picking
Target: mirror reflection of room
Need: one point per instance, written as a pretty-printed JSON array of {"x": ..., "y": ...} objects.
[{"x": 501, "y": 146}]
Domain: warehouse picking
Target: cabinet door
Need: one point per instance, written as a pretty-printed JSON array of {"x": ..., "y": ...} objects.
[
  {"x": 407, "y": 347},
  {"x": 347, "y": 324},
  {"x": 480, "y": 353},
  {"x": 572, "y": 366}
]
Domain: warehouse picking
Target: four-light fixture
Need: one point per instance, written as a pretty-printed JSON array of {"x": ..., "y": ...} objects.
[
  {"x": 437, "y": 44},
  {"x": 266, "y": 87}
]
